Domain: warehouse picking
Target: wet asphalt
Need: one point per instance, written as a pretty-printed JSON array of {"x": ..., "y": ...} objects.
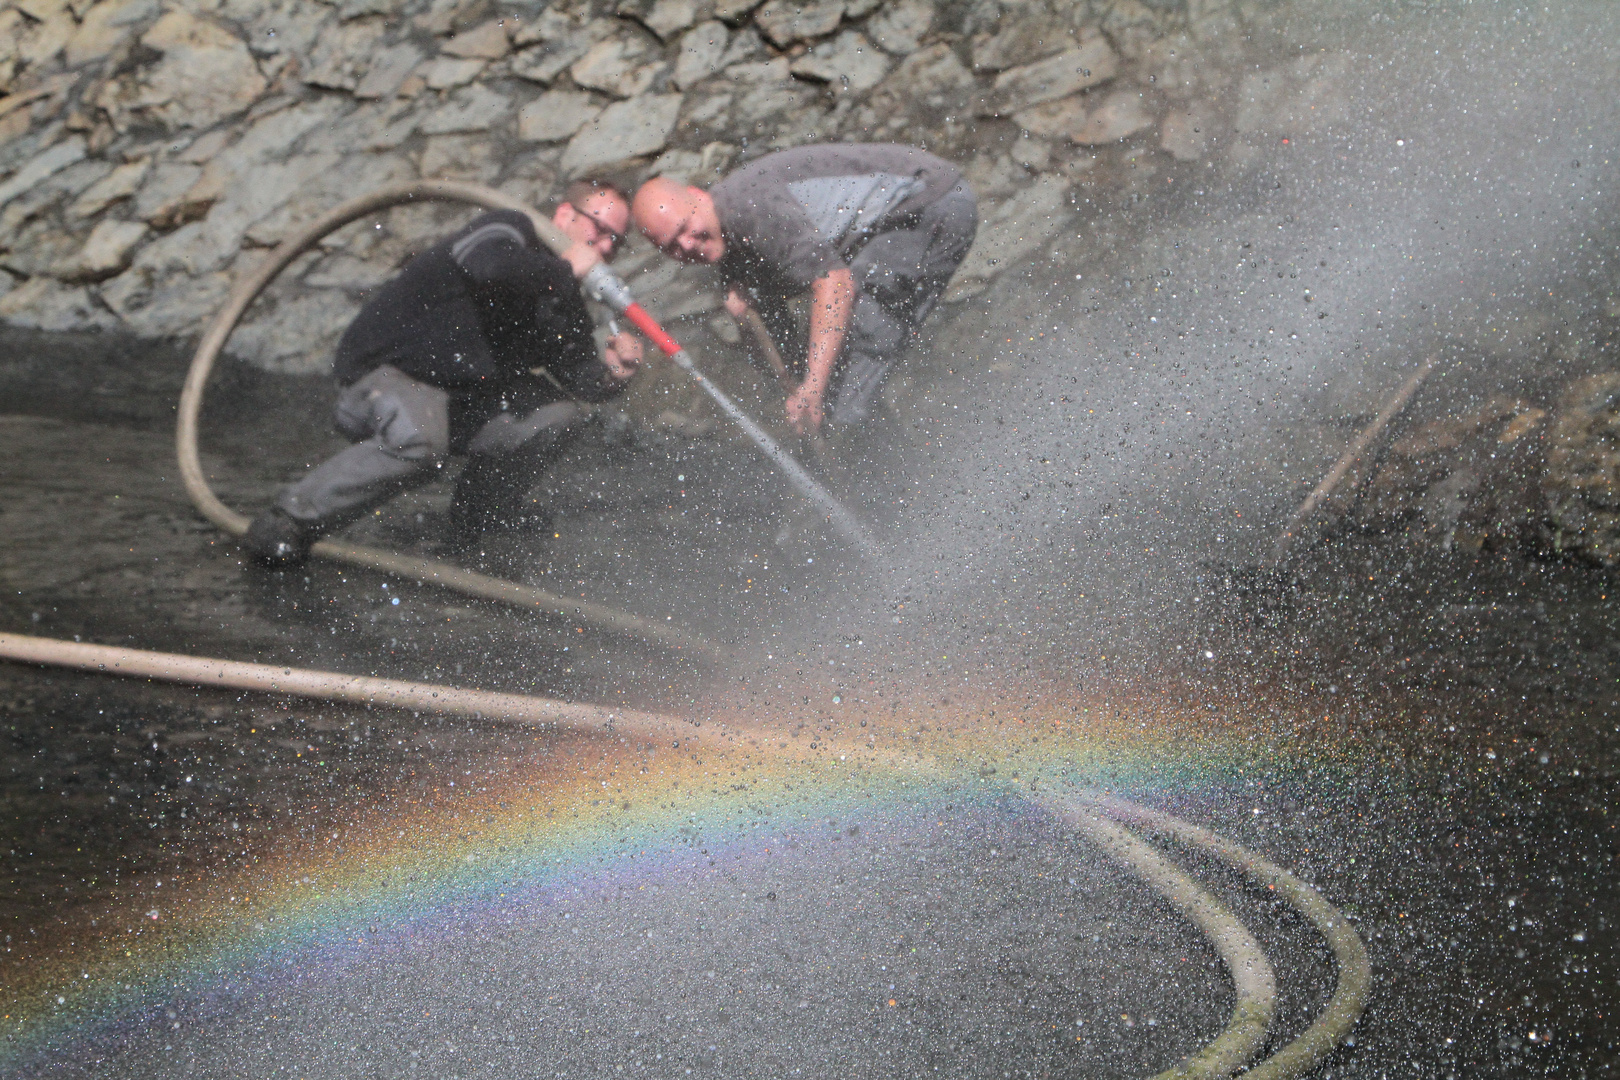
[{"x": 1467, "y": 826}]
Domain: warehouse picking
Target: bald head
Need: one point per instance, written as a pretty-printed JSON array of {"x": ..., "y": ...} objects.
[{"x": 679, "y": 219}]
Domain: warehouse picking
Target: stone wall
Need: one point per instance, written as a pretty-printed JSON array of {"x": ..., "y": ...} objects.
[{"x": 147, "y": 151}]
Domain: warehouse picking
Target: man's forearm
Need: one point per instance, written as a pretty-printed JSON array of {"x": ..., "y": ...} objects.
[{"x": 832, "y": 304}]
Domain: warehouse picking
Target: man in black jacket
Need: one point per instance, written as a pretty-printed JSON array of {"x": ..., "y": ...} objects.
[{"x": 481, "y": 346}]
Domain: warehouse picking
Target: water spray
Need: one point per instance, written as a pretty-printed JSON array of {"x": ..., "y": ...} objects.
[{"x": 606, "y": 287}]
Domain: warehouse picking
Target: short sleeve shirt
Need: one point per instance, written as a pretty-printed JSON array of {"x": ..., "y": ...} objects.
[{"x": 797, "y": 215}]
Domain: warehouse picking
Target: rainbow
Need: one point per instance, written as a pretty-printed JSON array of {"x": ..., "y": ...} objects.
[{"x": 594, "y": 808}]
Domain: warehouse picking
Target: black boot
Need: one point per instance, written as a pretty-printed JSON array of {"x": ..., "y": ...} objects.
[{"x": 277, "y": 540}]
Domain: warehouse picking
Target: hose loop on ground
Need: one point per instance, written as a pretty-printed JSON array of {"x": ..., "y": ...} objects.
[
  {"x": 1250, "y": 971},
  {"x": 1349, "y": 1000}
]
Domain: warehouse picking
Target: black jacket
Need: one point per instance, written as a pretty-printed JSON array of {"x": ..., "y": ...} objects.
[{"x": 475, "y": 312}]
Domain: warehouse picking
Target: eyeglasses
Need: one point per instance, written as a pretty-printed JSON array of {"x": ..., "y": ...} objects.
[{"x": 614, "y": 238}]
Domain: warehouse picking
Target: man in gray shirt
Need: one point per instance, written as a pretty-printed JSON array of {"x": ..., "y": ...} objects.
[{"x": 872, "y": 231}]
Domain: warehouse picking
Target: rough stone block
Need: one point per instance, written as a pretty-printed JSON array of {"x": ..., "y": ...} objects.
[
  {"x": 624, "y": 129},
  {"x": 1031, "y": 36},
  {"x": 554, "y": 56},
  {"x": 899, "y": 27},
  {"x": 388, "y": 71},
  {"x": 787, "y": 21},
  {"x": 105, "y": 27},
  {"x": 160, "y": 196},
  {"x": 45, "y": 164},
  {"x": 204, "y": 147},
  {"x": 106, "y": 251},
  {"x": 460, "y": 157},
  {"x": 117, "y": 185},
  {"x": 849, "y": 62},
  {"x": 342, "y": 56},
  {"x": 39, "y": 249},
  {"x": 618, "y": 66},
  {"x": 700, "y": 53},
  {"x": 551, "y": 24},
  {"x": 206, "y": 74},
  {"x": 666, "y": 18},
  {"x": 1058, "y": 76},
  {"x": 771, "y": 100},
  {"x": 446, "y": 73},
  {"x": 45, "y": 198},
  {"x": 486, "y": 42},
  {"x": 556, "y": 115},
  {"x": 760, "y": 71},
  {"x": 46, "y": 304},
  {"x": 48, "y": 37},
  {"x": 473, "y": 108},
  {"x": 930, "y": 72}
]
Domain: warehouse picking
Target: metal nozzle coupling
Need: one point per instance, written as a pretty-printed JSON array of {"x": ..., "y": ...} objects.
[{"x": 606, "y": 287}]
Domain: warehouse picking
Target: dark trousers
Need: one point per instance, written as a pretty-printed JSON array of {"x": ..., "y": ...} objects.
[
  {"x": 403, "y": 432},
  {"x": 900, "y": 274}
]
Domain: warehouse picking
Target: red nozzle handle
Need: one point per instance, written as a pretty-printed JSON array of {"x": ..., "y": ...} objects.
[{"x": 649, "y": 326}]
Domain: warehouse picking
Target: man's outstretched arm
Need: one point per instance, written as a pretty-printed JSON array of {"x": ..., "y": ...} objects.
[{"x": 832, "y": 303}]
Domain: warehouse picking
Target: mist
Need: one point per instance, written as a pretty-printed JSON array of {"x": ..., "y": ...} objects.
[{"x": 1170, "y": 398}]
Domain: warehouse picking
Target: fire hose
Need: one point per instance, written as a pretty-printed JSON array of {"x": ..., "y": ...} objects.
[{"x": 1097, "y": 817}]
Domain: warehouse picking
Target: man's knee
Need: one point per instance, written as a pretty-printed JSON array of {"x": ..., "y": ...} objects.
[
  {"x": 408, "y": 419},
  {"x": 411, "y": 442},
  {"x": 874, "y": 329},
  {"x": 855, "y": 389}
]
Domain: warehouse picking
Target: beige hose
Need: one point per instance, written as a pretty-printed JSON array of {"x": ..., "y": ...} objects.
[
  {"x": 1349, "y": 998},
  {"x": 1251, "y": 973},
  {"x": 420, "y": 569},
  {"x": 515, "y": 709}
]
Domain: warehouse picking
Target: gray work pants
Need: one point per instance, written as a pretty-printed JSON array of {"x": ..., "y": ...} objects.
[
  {"x": 403, "y": 431},
  {"x": 901, "y": 273}
]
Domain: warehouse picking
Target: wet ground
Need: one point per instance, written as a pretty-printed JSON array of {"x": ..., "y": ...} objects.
[{"x": 1466, "y": 704}]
